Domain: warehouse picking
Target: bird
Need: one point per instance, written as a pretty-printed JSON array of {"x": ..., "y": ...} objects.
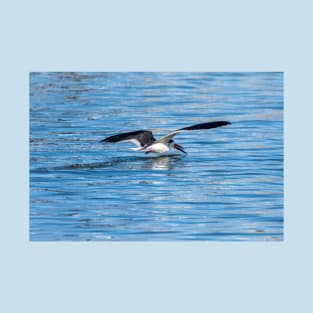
[{"x": 145, "y": 141}]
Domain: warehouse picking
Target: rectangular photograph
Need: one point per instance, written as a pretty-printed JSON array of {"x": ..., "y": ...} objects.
[{"x": 156, "y": 156}]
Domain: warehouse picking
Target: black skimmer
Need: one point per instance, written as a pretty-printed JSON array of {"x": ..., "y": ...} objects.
[{"x": 145, "y": 141}]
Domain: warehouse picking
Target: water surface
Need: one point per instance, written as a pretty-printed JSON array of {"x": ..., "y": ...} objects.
[{"x": 228, "y": 187}]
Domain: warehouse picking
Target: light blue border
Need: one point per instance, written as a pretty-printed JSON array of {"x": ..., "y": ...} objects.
[{"x": 155, "y": 36}]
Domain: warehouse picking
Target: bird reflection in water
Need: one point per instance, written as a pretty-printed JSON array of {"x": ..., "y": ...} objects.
[{"x": 165, "y": 162}]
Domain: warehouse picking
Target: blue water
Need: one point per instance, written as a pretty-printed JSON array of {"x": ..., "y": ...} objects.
[{"x": 228, "y": 187}]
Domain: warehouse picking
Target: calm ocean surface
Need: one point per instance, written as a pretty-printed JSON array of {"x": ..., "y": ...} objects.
[{"x": 228, "y": 188}]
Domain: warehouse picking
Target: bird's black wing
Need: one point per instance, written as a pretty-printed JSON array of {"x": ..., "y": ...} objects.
[
  {"x": 206, "y": 125},
  {"x": 140, "y": 137},
  {"x": 209, "y": 125}
]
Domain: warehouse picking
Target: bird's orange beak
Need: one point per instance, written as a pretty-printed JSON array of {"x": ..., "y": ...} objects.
[{"x": 179, "y": 147}]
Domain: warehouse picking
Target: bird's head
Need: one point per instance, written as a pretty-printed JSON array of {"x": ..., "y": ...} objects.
[{"x": 177, "y": 146}]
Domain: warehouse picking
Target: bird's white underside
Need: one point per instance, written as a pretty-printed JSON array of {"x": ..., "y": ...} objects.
[{"x": 158, "y": 148}]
